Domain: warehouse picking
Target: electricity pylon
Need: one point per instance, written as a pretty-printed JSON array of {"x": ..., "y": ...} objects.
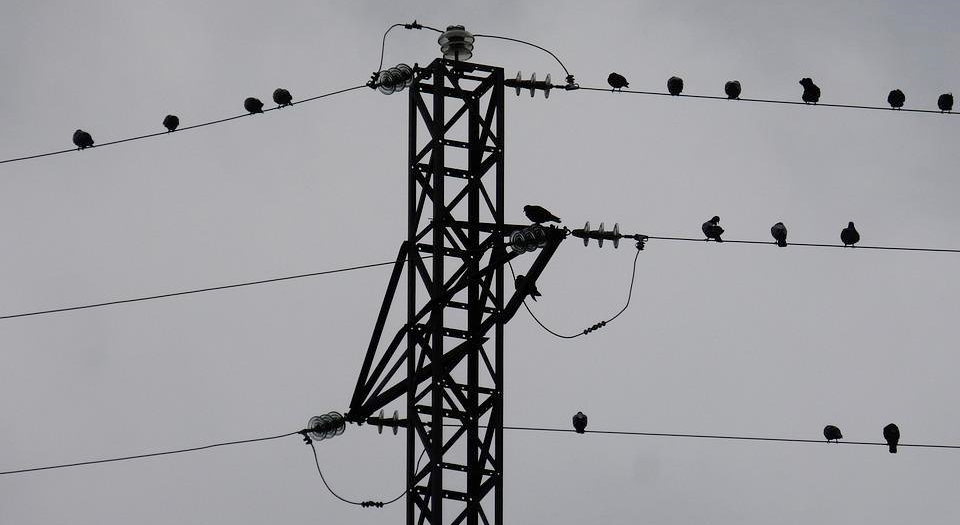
[{"x": 447, "y": 358}]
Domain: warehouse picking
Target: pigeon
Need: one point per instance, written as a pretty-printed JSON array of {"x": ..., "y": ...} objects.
[
  {"x": 832, "y": 433},
  {"x": 849, "y": 235},
  {"x": 896, "y": 98},
  {"x": 282, "y": 97},
  {"x": 617, "y": 81},
  {"x": 580, "y": 422},
  {"x": 811, "y": 92},
  {"x": 171, "y": 122},
  {"x": 253, "y": 105},
  {"x": 675, "y": 85},
  {"x": 892, "y": 434},
  {"x": 779, "y": 232},
  {"x": 945, "y": 102},
  {"x": 712, "y": 229},
  {"x": 539, "y": 214},
  {"x": 732, "y": 89},
  {"x": 82, "y": 139},
  {"x": 526, "y": 287}
]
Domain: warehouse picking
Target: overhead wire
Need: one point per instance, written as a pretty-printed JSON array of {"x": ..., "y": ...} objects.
[
  {"x": 727, "y": 437},
  {"x": 184, "y": 128},
  {"x": 148, "y": 455},
  {"x": 596, "y": 326},
  {"x": 509, "y": 39},
  {"x": 368, "y": 503},
  {"x": 198, "y": 290},
  {"x": 808, "y": 244},
  {"x": 767, "y": 101}
]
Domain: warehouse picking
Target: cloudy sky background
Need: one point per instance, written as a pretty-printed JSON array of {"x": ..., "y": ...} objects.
[{"x": 723, "y": 339}]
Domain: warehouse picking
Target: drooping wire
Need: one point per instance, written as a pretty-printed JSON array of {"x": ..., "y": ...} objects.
[
  {"x": 770, "y": 101},
  {"x": 159, "y": 133},
  {"x": 811, "y": 244},
  {"x": 149, "y": 455},
  {"x": 365, "y": 504},
  {"x": 565, "y": 71},
  {"x": 590, "y": 329},
  {"x": 727, "y": 437},
  {"x": 199, "y": 290}
]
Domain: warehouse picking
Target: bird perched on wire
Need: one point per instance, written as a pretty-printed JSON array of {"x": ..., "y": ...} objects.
[
  {"x": 712, "y": 229},
  {"x": 617, "y": 81},
  {"x": 779, "y": 232},
  {"x": 580, "y": 422},
  {"x": 539, "y": 214},
  {"x": 82, "y": 139},
  {"x": 891, "y": 433},
  {"x": 896, "y": 98},
  {"x": 945, "y": 102},
  {"x": 732, "y": 89},
  {"x": 832, "y": 433},
  {"x": 849, "y": 235},
  {"x": 675, "y": 85},
  {"x": 526, "y": 287},
  {"x": 253, "y": 105},
  {"x": 171, "y": 122},
  {"x": 282, "y": 97},
  {"x": 811, "y": 92}
]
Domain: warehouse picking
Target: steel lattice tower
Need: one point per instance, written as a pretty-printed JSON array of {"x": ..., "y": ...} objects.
[{"x": 455, "y": 254}]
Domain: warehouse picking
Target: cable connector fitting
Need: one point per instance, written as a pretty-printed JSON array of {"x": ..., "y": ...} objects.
[
  {"x": 413, "y": 25},
  {"x": 368, "y": 504}
]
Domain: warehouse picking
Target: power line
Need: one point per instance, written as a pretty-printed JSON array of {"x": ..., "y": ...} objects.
[
  {"x": 368, "y": 503},
  {"x": 726, "y": 437},
  {"x": 771, "y": 101},
  {"x": 198, "y": 290},
  {"x": 810, "y": 244},
  {"x": 149, "y": 455},
  {"x": 597, "y": 326},
  {"x": 529, "y": 44},
  {"x": 159, "y": 133}
]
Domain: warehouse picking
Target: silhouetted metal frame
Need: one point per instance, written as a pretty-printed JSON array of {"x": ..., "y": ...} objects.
[{"x": 453, "y": 373}]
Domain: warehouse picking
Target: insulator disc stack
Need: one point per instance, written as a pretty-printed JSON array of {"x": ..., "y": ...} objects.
[{"x": 326, "y": 426}]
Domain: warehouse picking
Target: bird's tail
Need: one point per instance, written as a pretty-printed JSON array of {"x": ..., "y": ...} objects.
[
  {"x": 782, "y": 244},
  {"x": 893, "y": 448}
]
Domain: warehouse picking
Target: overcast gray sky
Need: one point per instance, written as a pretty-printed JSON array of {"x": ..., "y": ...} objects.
[{"x": 723, "y": 339}]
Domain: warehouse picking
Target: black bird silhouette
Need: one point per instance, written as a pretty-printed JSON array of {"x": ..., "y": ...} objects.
[
  {"x": 832, "y": 433},
  {"x": 779, "y": 232},
  {"x": 849, "y": 235},
  {"x": 945, "y": 102},
  {"x": 171, "y": 122},
  {"x": 675, "y": 85},
  {"x": 811, "y": 92},
  {"x": 896, "y": 98},
  {"x": 617, "y": 81},
  {"x": 82, "y": 139},
  {"x": 282, "y": 97},
  {"x": 526, "y": 287},
  {"x": 892, "y": 434},
  {"x": 253, "y": 105},
  {"x": 732, "y": 89},
  {"x": 539, "y": 214},
  {"x": 580, "y": 422},
  {"x": 712, "y": 229}
]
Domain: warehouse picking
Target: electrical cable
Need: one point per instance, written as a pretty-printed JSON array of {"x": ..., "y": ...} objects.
[
  {"x": 597, "y": 326},
  {"x": 150, "y": 455},
  {"x": 159, "y": 133},
  {"x": 770, "y": 101},
  {"x": 811, "y": 244},
  {"x": 565, "y": 71},
  {"x": 726, "y": 437},
  {"x": 365, "y": 504},
  {"x": 199, "y": 290}
]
